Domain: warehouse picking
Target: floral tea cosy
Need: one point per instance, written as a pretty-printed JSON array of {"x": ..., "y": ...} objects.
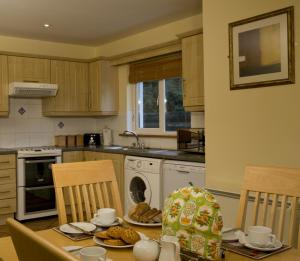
[{"x": 193, "y": 215}]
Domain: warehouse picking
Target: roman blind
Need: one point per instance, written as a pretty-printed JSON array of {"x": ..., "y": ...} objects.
[{"x": 158, "y": 68}]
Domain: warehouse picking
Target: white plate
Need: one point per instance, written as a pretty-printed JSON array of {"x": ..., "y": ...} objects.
[
  {"x": 100, "y": 242},
  {"x": 98, "y": 223},
  {"x": 84, "y": 225},
  {"x": 230, "y": 235},
  {"x": 129, "y": 220},
  {"x": 277, "y": 245}
]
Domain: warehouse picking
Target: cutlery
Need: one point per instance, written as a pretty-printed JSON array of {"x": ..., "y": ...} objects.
[{"x": 81, "y": 229}]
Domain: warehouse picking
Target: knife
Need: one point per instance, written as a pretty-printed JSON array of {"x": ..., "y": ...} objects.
[{"x": 81, "y": 229}]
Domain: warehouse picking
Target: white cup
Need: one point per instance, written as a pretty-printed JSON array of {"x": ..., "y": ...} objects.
[
  {"x": 106, "y": 216},
  {"x": 261, "y": 236},
  {"x": 93, "y": 254}
]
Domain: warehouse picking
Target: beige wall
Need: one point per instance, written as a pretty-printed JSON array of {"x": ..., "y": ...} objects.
[
  {"x": 157, "y": 35},
  {"x": 29, "y": 46},
  {"x": 252, "y": 126}
]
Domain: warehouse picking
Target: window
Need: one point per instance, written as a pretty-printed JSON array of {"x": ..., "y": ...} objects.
[{"x": 159, "y": 108}]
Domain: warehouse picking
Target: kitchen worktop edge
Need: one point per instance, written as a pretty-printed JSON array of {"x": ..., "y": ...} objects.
[{"x": 162, "y": 154}]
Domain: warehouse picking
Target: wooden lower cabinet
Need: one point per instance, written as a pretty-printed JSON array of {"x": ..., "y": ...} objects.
[
  {"x": 118, "y": 162},
  {"x": 8, "y": 201},
  {"x": 73, "y": 156}
]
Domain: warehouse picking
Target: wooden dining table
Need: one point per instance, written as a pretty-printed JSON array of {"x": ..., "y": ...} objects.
[{"x": 8, "y": 253}]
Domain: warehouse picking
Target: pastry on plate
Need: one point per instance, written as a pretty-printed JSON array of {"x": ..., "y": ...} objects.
[
  {"x": 115, "y": 232},
  {"x": 114, "y": 242},
  {"x": 138, "y": 210},
  {"x": 130, "y": 236},
  {"x": 102, "y": 235}
]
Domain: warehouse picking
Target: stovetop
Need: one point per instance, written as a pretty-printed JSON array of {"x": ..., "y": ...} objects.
[{"x": 39, "y": 151}]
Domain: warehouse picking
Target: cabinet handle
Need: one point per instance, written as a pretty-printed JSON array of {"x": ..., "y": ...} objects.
[
  {"x": 3, "y": 192},
  {"x": 4, "y": 162},
  {"x": 4, "y": 177},
  {"x": 183, "y": 171},
  {"x": 5, "y": 207},
  {"x": 31, "y": 81}
]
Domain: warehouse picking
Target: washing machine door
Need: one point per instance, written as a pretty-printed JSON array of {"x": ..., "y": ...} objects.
[{"x": 139, "y": 189}]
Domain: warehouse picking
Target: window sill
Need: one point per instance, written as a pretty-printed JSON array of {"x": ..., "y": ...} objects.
[{"x": 163, "y": 136}]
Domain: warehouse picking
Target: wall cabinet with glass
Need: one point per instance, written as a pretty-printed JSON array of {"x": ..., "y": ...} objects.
[
  {"x": 3, "y": 86},
  {"x": 25, "y": 69},
  {"x": 192, "y": 72}
]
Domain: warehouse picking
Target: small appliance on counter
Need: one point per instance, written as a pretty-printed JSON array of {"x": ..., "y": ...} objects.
[
  {"x": 191, "y": 140},
  {"x": 107, "y": 136},
  {"x": 91, "y": 139}
]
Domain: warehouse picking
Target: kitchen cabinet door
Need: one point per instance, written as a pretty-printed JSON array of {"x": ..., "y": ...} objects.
[
  {"x": 8, "y": 200},
  {"x": 72, "y": 156},
  {"x": 3, "y": 86},
  {"x": 72, "y": 95},
  {"x": 24, "y": 69},
  {"x": 103, "y": 88},
  {"x": 92, "y": 155},
  {"x": 192, "y": 71}
]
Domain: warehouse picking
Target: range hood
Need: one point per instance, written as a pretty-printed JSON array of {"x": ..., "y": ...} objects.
[{"x": 32, "y": 89}]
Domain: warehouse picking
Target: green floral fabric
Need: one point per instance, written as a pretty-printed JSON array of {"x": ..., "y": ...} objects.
[{"x": 193, "y": 215}]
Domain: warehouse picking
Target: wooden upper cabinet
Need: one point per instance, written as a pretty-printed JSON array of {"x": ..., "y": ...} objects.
[
  {"x": 103, "y": 91},
  {"x": 192, "y": 71},
  {"x": 24, "y": 69},
  {"x": 72, "y": 95},
  {"x": 3, "y": 86}
]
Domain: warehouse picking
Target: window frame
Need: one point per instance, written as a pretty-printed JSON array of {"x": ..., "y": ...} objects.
[{"x": 162, "y": 109}]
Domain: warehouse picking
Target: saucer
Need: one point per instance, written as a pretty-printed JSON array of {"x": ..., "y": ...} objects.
[
  {"x": 99, "y": 224},
  {"x": 276, "y": 246}
]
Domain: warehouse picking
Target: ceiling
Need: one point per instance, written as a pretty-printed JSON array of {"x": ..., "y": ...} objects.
[{"x": 89, "y": 22}]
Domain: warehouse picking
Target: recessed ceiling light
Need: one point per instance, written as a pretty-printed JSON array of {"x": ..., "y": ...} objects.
[{"x": 47, "y": 25}]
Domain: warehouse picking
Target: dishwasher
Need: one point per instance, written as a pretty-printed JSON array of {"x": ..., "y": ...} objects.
[{"x": 178, "y": 174}]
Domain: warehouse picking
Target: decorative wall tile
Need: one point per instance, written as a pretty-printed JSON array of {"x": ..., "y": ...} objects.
[{"x": 21, "y": 111}]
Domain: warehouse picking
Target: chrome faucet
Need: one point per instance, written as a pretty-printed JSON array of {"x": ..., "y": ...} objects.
[{"x": 138, "y": 144}]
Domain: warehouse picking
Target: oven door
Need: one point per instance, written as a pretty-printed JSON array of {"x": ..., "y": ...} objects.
[
  {"x": 36, "y": 202},
  {"x": 38, "y": 171}
]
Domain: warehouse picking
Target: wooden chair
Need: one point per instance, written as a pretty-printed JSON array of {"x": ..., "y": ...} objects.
[
  {"x": 30, "y": 246},
  {"x": 274, "y": 189},
  {"x": 88, "y": 185}
]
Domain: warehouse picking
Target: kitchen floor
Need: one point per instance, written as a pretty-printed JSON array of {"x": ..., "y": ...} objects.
[{"x": 35, "y": 225}]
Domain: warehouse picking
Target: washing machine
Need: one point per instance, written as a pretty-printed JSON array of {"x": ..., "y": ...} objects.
[{"x": 143, "y": 181}]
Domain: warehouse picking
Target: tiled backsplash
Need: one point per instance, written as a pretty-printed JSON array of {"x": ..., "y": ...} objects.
[{"x": 25, "y": 125}]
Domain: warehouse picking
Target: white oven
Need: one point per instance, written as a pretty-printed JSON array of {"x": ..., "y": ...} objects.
[{"x": 35, "y": 190}]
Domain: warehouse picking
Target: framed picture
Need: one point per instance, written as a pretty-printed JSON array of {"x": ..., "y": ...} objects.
[{"x": 261, "y": 50}]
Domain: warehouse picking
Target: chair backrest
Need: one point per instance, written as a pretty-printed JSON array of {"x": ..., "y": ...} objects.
[
  {"x": 88, "y": 185},
  {"x": 30, "y": 246},
  {"x": 274, "y": 190}
]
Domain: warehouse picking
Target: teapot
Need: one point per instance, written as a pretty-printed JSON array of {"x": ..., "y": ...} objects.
[
  {"x": 170, "y": 249},
  {"x": 146, "y": 250}
]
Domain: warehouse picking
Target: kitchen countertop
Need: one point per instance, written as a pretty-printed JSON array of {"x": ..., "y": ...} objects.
[
  {"x": 7, "y": 151},
  {"x": 150, "y": 153}
]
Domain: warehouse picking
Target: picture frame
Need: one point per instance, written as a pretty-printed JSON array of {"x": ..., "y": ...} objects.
[{"x": 261, "y": 50}]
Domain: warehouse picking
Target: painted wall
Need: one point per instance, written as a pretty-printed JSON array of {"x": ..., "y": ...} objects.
[
  {"x": 252, "y": 126},
  {"x": 29, "y": 46},
  {"x": 157, "y": 35}
]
